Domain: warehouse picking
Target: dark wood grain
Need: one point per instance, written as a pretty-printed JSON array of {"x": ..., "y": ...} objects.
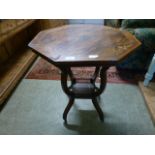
[{"x": 84, "y": 44}]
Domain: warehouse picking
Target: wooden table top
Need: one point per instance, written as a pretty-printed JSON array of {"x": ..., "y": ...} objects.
[{"x": 84, "y": 45}]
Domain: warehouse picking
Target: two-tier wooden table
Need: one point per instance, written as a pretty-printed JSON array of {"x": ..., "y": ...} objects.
[{"x": 80, "y": 46}]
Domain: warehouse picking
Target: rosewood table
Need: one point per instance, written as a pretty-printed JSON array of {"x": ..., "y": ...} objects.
[{"x": 80, "y": 46}]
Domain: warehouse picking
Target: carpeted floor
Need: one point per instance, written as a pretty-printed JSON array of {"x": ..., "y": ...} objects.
[
  {"x": 36, "y": 107},
  {"x": 45, "y": 71}
]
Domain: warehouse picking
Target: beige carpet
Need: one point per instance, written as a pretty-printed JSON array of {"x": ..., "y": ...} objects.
[{"x": 36, "y": 107}]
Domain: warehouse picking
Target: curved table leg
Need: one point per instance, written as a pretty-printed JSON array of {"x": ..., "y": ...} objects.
[
  {"x": 71, "y": 101},
  {"x": 70, "y": 73},
  {"x": 66, "y": 89},
  {"x": 93, "y": 79},
  {"x": 98, "y": 109},
  {"x": 97, "y": 91},
  {"x": 103, "y": 82}
]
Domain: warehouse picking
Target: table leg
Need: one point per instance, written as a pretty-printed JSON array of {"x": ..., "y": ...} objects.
[
  {"x": 64, "y": 74},
  {"x": 99, "y": 110},
  {"x": 71, "y": 101},
  {"x": 103, "y": 82},
  {"x": 93, "y": 79},
  {"x": 73, "y": 80},
  {"x": 99, "y": 90}
]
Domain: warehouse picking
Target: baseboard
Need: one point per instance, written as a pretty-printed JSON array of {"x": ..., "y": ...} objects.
[{"x": 149, "y": 96}]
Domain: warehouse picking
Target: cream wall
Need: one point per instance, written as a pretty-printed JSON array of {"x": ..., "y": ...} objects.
[{"x": 86, "y": 21}]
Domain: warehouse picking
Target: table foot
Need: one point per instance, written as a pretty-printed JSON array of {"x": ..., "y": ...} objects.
[
  {"x": 99, "y": 110},
  {"x": 68, "y": 107}
]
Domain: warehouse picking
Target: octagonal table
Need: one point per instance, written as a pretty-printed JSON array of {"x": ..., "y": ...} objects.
[{"x": 80, "y": 46}]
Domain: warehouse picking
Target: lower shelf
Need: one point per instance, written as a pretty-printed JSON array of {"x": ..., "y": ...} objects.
[{"x": 83, "y": 90}]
